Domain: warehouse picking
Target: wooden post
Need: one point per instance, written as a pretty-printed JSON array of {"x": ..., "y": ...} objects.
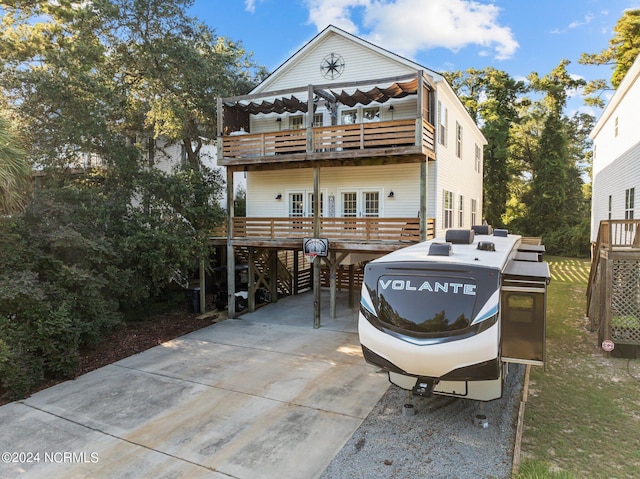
[
  {"x": 273, "y": 277},
  {"x": 251, "y": 280},
  {"x": 316, "y": 262},
  {"x": 296, "y": 272},
  {"x": 351, "y": 268},
  {"x": 606, "y": 319},
  {"x": 203, "y": 299},
  {"x": 332, "y": 285},
  {"x": 231, "y": 257},
  {"x": 423, "y": 201}
]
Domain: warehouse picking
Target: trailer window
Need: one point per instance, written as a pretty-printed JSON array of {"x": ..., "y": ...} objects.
[
  {"x": 426, "y": 304},
  {"x": 520, "y": 307}
]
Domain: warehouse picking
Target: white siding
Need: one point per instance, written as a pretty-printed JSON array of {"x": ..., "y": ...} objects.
[
  {"x": 616, "y": 162},
  {"x": 624, "y": 109},
  {"x": 402, "y": 179},
  {"x": 613, "y": 180},
  {"x": 454, "y": 174}
]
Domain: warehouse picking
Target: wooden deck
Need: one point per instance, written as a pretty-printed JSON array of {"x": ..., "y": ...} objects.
[{"x": 361, "y": 234}]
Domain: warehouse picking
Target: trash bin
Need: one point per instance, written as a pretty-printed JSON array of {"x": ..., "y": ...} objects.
[{"x": 192, "y": 296}]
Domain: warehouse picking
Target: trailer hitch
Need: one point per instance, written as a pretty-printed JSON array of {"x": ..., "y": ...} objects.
[{"x": 424, "y": 387}]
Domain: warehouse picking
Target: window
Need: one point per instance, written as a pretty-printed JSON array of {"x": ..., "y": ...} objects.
[
  {"x": 318, "y": 119},
  {"x": 349, "y": 204},
  {"x": 371, "y": 203},
  {"x": 610, "y": 204},
  {"x": 447, "y": 209},
  {"x": 474, "y": 212},
  {"x": 349, "y": 117},
  {"x": 460, "y": 211},
  {"x": 296, "y": 122},
  {"x": 370, "y": 114},
  {"x": 296, "y": 204},
  {"x": 443, "y": 120},
  {"x": 615, "y": 128},
  {"x": 458, "y": 140},
  {"x": 629, "y": 201},
  {"x": 478, "y": 159}
]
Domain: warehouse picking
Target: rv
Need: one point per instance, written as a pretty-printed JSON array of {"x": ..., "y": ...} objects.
[{"x": 447, "y": 316}]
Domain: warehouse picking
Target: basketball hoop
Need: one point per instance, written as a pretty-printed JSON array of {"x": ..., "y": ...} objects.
[{"x": 310, "y": 257}]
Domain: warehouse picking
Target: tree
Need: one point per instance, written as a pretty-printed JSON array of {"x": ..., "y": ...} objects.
[
  {"x": 622, "y": 51},
  {"x": 555, "y": 179},
  {"x": 491, "y": 96},
  {"x": 101, "y": 81},
  {"x": 14, "y": 172}
]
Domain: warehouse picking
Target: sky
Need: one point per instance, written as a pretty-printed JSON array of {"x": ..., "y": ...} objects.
[{"x": 517, "y": 36}]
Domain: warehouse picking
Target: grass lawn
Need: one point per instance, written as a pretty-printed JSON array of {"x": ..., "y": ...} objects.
[{"x": 582, "y": 418}]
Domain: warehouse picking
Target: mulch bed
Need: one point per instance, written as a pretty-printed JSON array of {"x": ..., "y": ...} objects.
[{"x": 134, "y": 337}]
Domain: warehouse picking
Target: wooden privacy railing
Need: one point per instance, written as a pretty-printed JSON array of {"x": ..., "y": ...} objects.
[
  {"x": 265, "y": 144},
  {"x": 364, "y": 135},
  {"x": 382, "y": 134},
  {"x": 357, "y": 229},
  {"x": 612, "y": 234}
]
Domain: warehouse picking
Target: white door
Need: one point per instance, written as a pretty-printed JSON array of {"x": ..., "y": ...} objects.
[
  {"x": 301, "y": 203},
  {"x": 360, "y": 203}
]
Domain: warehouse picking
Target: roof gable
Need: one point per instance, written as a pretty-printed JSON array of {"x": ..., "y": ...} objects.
[{"x": 361, "y": 60}]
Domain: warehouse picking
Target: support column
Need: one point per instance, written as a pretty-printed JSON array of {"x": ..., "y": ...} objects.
[
  {"x": 332, "y": 285},
  {"x": 251, "y": 281},
  {"x": 351, "y": 295},
  {"x": 273, "y": 277},
  {"x": 203, "y": 290},
  {"x": 316, "y": 262},
  {"x": 423, "y": 201},
  {"x": 231, "y": 257}
]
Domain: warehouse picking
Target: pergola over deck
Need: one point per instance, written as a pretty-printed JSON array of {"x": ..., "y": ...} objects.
[{"x": 406, "y": 140}]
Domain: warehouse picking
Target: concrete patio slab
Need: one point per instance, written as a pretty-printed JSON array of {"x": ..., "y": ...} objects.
[{"x": 264, "y": 396}]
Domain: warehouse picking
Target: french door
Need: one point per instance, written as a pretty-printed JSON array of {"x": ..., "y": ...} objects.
[
  {"x": 360, "y": 203},
  {"x": 301, "y": 203}
]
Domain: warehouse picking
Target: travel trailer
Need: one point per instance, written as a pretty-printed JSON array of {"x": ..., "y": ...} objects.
[{"x": 446, "y": 316}]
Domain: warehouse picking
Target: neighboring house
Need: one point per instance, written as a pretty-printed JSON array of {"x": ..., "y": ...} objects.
[
  {"x": 168, "y": 158},
  {"x": 616, "y": 155},
  {"x": 382, "y": 144}
]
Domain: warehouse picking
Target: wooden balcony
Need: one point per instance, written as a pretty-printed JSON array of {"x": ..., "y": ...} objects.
[
  {"x": 281, "y": 232},
  {"x": 396, "y": 137}
]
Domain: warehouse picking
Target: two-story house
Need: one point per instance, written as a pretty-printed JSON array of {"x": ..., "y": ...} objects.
[
  {"x": 350, "y": 142},
  {"x": 616, "y": 154}
]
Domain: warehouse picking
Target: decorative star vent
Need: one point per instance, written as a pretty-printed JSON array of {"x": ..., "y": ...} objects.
[{"x": 332, "y": 66}]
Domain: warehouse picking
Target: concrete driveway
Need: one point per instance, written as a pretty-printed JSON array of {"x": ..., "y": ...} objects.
[{"x": 264, "y": 396}]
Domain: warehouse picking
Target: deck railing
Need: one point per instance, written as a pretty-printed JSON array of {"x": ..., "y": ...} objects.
[
  {"x": 347, "y": 229},
  {"x": 385, "y": 134}
]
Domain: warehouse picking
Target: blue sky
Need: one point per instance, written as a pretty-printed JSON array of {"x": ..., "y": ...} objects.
[{"x": 517, "y": 36}]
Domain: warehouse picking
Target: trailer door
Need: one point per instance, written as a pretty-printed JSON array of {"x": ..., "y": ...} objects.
[{"x": 523, "y": 311}]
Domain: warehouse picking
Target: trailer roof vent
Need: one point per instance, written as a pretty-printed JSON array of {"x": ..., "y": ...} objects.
[
  {"x": 482, "y": 229},
  {"x": 502, "y": 233},
  {"x": 440, "y": 249},
  {"x": 459, "y": 236},
  {"x": 486, "y": 246}
]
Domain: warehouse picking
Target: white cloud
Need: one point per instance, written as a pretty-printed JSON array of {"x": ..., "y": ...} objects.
[
  {"x": 408, "y": 26},
  {"x": 250, "y": 5},
  {"x": 587, "y": 19},
  {"x": 335, "y": 12}
]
